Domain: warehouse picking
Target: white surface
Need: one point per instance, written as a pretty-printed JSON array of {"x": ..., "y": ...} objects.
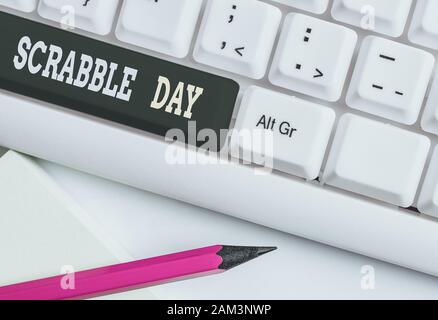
[
  {"x": 43, "y": 230},
  {"x": 238, "y": 36},
  {"x": 383, "y": 16},
  {"x": 163, "y": 26},
  {"x": 429, "y": 122},
  {"x": 428, "y": 201},
  {"x": 315, "y": 6},
  {"x": 295, "y": 206},
  {"x": 293, "y": 136},
  {"x": 97, "y": 16},
  {"x": 298, "y": 63},
  {"x": 402, "y": 73},
  {"x": 149, "y": 225},
  {"x": 424, "y": 26},
  {"x": 326, "y": 214},
  {"x": 376, "y": 160},
  {"x": 22, "y": 5}
]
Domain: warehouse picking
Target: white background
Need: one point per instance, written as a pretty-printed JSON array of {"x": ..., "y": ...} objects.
[{"x": 149, "y": 225}]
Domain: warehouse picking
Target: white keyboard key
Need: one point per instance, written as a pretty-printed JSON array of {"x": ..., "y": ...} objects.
[
  {"x": 96, "y": 16},
  {"x": 383, "y": 16},
  {"x": 298, "y": 131},
  {"x": 22, "y": 5},
  {"x": 390, "y": 80},
  {"x": 315, "y": 6},
  {"x": 298, "y": 63},
  {"x": 376, "y": 160},
  {"x": 424, "y": 26},
  {"x": 238, "y": 36},
  {"x": 429, "y": 122},
  {"x": 165, "y": 26},
  {"x": 428, "y": 201}
]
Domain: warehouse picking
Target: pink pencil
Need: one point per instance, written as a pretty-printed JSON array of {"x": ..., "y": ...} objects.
[{"x": 134, "y": 275}]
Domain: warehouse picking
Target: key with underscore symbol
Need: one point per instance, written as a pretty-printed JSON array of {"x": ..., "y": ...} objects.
[{"x": 390, "y": 80}]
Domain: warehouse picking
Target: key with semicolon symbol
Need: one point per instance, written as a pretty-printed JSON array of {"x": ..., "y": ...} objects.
[{"x": 238, "y": 36}]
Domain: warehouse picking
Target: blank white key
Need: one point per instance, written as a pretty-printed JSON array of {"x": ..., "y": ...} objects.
[
  {"x": 165, "y": 26},
  {"x": 299, "y": 64},
  {"x": 294, "y": 132},
  {"x": 424, "y": 26},
  {"x": 22, "y": 5},
  {"x": 382, "y": 16},
  {"x": 390, "y": 80},
  {"x": 238, "y": 36},
  {"x": 428, "y": 201},
  {"x": 376, "y": 160},
  {"x": 315, "y": 6},
  {"x": 429, "y": 122},
  {"x": 96, "y": 16}
]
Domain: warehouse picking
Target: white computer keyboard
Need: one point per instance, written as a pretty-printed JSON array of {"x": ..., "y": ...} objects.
[{"x": 345, "y": 89}]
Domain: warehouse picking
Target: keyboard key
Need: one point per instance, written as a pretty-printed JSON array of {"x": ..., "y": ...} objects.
[
  {"x": 376, "y": 160},
  {"x": 238, "y": 36},
  {"x": 298, "y": 131},
  {"x": 429, "y": 122},
  {"x": 22, "y": 5},
  {"x": 424, "y": 26},
  {"x": 163, "y": 26},
  {"x": 428, "y": 201},
  {"x": 315, "y": 6},
  {"x": 382, "y": 16},
  {"x": 96, "y": 16},
  {"x": 390, "y": 80},
  {"x": 109, "y": 82},
  {"x": 298, "y": 63}
]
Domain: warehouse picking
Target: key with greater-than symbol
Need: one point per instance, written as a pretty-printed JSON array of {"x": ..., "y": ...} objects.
[
  {"x": 106, "y": 81},
  {"x": 298, "y": 63}
]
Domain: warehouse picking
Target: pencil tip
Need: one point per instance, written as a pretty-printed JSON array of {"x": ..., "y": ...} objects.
[
  {"x": 232, "y": 256},
  {"x": 264, "y": 250}
]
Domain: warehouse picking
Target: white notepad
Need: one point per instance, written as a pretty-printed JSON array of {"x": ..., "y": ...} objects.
[{"x": 43, "y": 232}]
